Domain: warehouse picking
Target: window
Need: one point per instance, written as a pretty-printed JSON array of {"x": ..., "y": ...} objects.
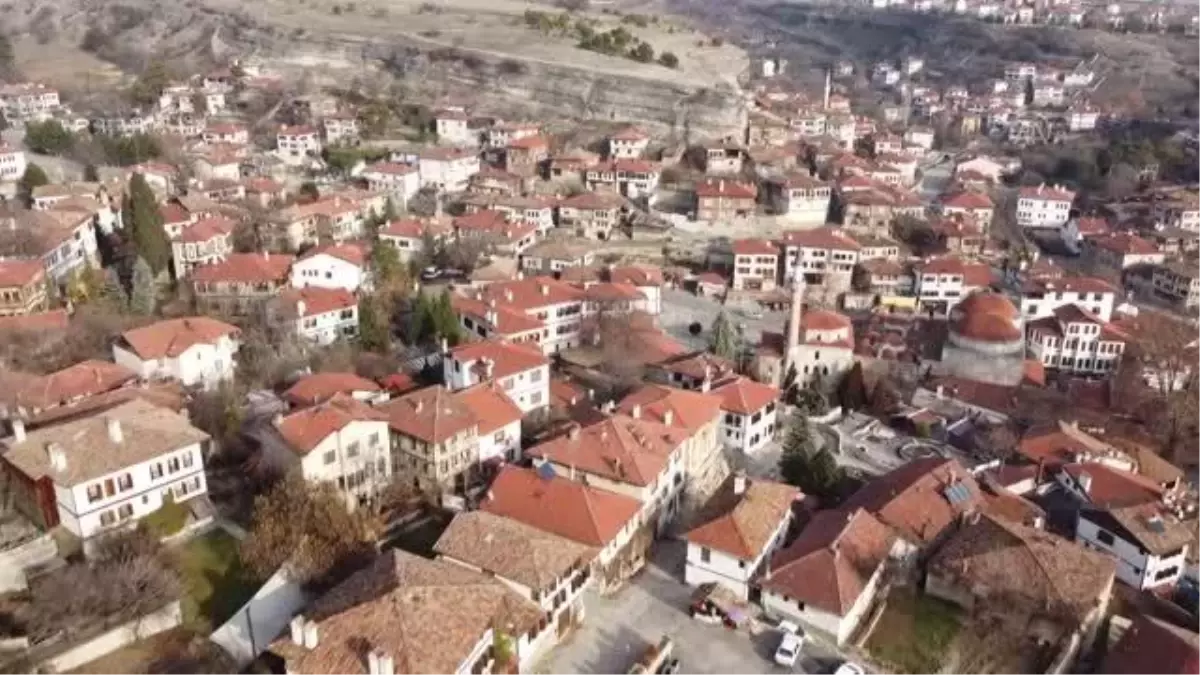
[
  {"x": 94, "y": 493},
  {"x": 535, "y": 398},
  {"x": 107, "y": 518},
  {"x": 374, "y": 440},
  {"x": 352, "y": 449},
  {"x": 109, "y": 487},
  {"x": 125, "y": 511},
  {"x": 187, "y": 460},
  {"x": 172, "y": 465},
  {"x": 330, "y": 457},
  {"x": 705, "y": 555},
  {"x": 1171, "y": 571},
  {"x": 1105, "y": 538},
  {"x": 125, "y": 482}
]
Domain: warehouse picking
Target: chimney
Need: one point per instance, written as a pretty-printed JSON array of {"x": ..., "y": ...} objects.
[
  {"x": 941, "y": 392},
  {"x": 114, "y": 430},
  {"x": 297, "y": 625},
  {"x": 573, "y": 432},
  {"x": 266, "y": 255},
  {"x": 508, "y": 296},
  {"x": 739, "y": 484},
  {"x": 544, "y": 289},
  {"x": 57, "y": 456},
  {"x": 489, "y": 368},
  {"x": 301, "y": 308},
  {"x": 310, "y": 635},
  {"x": 490, "y": 317},
  {"x": 419, "y": 404},
  {"x": 18, "y": 429},
  {"x": 380, "y": 663},
  {"x": 636, "y": 413},
  {"x": 668, "y": 417},
  {"x": 445, "y": 346}
]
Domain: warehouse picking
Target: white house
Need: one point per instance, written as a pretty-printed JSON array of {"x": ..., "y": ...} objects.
[
  {"x": 452, "y": 126},
  {"x": 107, "y": 471},
  {"x": 196, "y": 351},
  {"x": 1042, "y": 297},
  {"x": 27, "y": 100},
  {"x": 1120, "y": 250},
  {"x": 204, "y": 242},
  {"x": 320, "y": 315},
  {"x": 941, "y": 283},
  {"x": 1149, "y": 543},
  {"x": 748, "y": 413},
  {"x": 12, "y": 163},
  {"x": 1074, "y": 340},
  {"x": 629, "y": 143},
  {"x": 521, "y": 370},
  {"x": 819, "y": 255},
  {"x": 804, "y": 199},
  {"x": 921, "y": 137},
  {"x": 408, "y": 235},
  {"x": 400, "y": 181},
  {"x": 295, "y": 144},
  {"x": 541, "y": 310},
  {"x": 827, "y": 579},
  {"x": 342, "y": 441},
  {"x": 447, "y": 169},
  {"x": 68, "y": 240},
  {"x": 331, "y": 266},
  {"x": 499, "y": 421},
  {"x": 634, "y": 457},
  {"x": 549, "y": 571},
  {"x": 1044, "y": 207},
  {"x": 749, "y": 522}
]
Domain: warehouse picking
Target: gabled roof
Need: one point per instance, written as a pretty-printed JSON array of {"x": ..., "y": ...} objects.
[
  {"x": 913, "y": 499},
  {"x": 431, "y": 414},
  {"x": 15, "y": 272},
  {"x": 207, "y": 229},
  {"x": 492, "y": 408},
  {"x": 619, "y": 448},
  {"x": 304, "y": 430},
  {"x": 355, "y": 254},
  {"x": 1024, "y": 568},
  {"x": 829, "y": 238},
  {"x": 246, "y": 268},
  {"x": 507, "y": 358},
  {"x": 427, "y": 615},
  {"x": 728, "y": 189},
  {"x": 172, "y": 337},
  {"x": 85, "y": 378},
  {"x": 973, "y": 273},
  {"x": 754, "y": 247},
  {"x": 511, "y": 549},
  {"x": 968, "y": 199},
  {"x": 554, "y": 504},
  {"x": 744, "y": 396},
  {"x": 1125, "y": 243},
  {"x": 318, "y": 387},
  {"x": 1114, "y": 488},
  {"x": 742, "y": 525},
  {"x": 679, "y": 408},
  {"x": 832, "y": 561}
]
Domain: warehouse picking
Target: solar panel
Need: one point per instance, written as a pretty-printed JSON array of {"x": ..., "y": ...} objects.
[
  {"x": 546, "y": 471},
  {"x": 957, "y": 492},
  {"x": 1156, "y": 525}
]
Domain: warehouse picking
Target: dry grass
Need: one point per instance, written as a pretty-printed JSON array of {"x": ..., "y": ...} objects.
[{"x": 914, "y": 632}]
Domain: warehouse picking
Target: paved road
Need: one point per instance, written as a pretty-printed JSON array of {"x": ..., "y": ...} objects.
[{"x": 617, "y": 629}]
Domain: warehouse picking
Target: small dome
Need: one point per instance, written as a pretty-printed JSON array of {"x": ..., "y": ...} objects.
[{"x": 986, "y": 316}]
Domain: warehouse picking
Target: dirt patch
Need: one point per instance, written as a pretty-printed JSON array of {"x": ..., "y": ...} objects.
[
  {"x": 63, "y": 65},
  {"x": 914, "y": 632}
]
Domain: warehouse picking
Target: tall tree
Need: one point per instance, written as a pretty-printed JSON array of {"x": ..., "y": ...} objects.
[
  {"x": 112, "y": 293},
  {"x": 145, "y": 224},
  {"x": 33, "y": 177},
  {"x": 815, "y": 472},
  {"x": 852, "y": 389},
  {"x": 445, "y": 319},
  {"x": 724, "y": 338},
  {"x": 48, "y": 138},
  {"x": 143, "y": 290},
  {"x": 386, "y": 265},
  {"x": 374, "y": 324}
]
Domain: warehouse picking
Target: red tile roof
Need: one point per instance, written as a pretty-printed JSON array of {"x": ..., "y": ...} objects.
[
  {"x": 507, "y": 358},
  {"x": 355, "y": 254},
  {"x": 1125, "y": 243},
  {"x": 17, "y": 273},
  {"x": 1069, "y": 285},
  {"x": 431, "y": 414},
  {"x": 968, "y": 200},
  {"x": 493, "y": 409},
  {"x": 1152, "y": 645},
  {"x": 728, "y": 189},
  {"x": 1047, "y": 193},
  {"x": 829, "y": 238},
  {"x": 207, "y": 229},
  {"x": 619, "y": 448},
  {"x": 594, "y": 201},
  {"x": 742, "y": 525},
  {"x": 754, "y": 247},
  {"x": 911, "y": 499},
  {"x": 86, "y": 378},
  {"x": 173, "y": 213},
  {"x": 390, "y": 168},
  {"x": 985, "y": 316},
  {"x": 318, "y": 387},
  {"x": 55, "y": 319},
  {"x": 832, "y": 561},
  {"x": 974, "y": 274},
  {"x": 1114, "y": 488},
  {"x": 316, "y": 300},
  {"x": 679, "y": 408},
  {"x": 560, "y": 506},
  {"x": 247, "y": 268},
  {"x": 744, "y": 396},
  {"x": 172, "y": 337},
  {"x": 304, "y": 430}
]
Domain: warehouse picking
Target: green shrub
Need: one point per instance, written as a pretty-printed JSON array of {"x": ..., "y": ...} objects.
[{"x": 167, "y": 520}]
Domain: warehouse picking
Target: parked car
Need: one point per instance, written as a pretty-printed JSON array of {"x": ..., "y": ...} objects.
[
  {"x": 850, "y": 668},
  {"x": 789, "y": 649},
  {"x": 671, "y": 667}
]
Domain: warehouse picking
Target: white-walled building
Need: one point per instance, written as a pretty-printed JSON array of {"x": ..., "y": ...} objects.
[
  {"x": 295, "y": 144},
  {"x": 1044, "y": 206},
  {"x": 755, "y": 265},
  {"x": 1042, "y": 297},
  {"x": 1074, "y": 340},
  {"x": 319, "y": 315},
  {"x": 331, "y": 266},
  {"x": 541, "y": 310},
  {"x": 447, "y": 169},
  {"x": 629, "y": 143},
  {"x": 521, "y": 370},
  {"x": 27, "y": 101},
  {"x": 452, "y": 126},
  {"x": 204, "y": 242},
  {"x": 941, "y": 283},
  {"x": 1120, "y": 250},
  {"x": 195, "y": 351},
  {"x": 820, "y": 255},
  {"x": 67, "y": 240},
  {"x": 1149, "y": 543},
  {"x": 826, "y": 580},
  {"x": 408, "y": 235},
  {"x": 342, "y": 441},
  {"x": 746, "y": 521},
  {"x": 748, "y": 413},
  {"x": 804, "y": 199},
  {"x": 104, "y": 472},
  {"x": 400, "y": 181},
  {"x": 499, "y": 420},
  {"x": 12, "y": 163}
]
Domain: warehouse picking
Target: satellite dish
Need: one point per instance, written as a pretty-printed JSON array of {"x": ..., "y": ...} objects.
[{"x": 546, "y": 471}]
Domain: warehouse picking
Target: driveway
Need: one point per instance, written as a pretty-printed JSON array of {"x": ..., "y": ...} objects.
[{"x": 617, "y": 629}]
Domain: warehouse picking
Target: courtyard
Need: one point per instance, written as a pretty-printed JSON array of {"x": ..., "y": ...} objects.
[{"x": 617, "y": 629}]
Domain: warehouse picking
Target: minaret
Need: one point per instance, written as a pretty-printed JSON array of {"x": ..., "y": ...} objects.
[
  {"x": 793, "y": 333},
  {"x": 828, "y": 86}
]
